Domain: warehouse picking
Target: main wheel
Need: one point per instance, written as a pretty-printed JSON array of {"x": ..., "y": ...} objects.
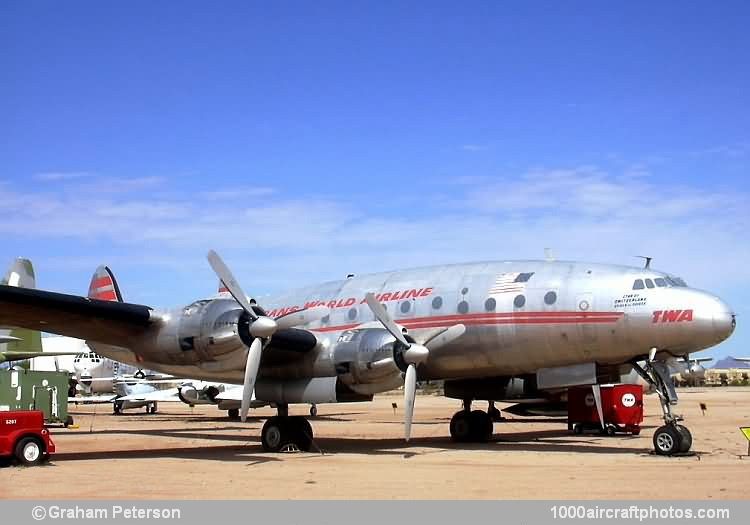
[
  {"x": 273, "y": 434},
  {"x": 667, "y": 440},
  {"x": 461, "y": 427},
  {"x": 154, "y": 408},
  {"x": 233, "y": 413},
  {"x": 301, "y": 433},
  {"x": 686, "y": 438},
  {"x": 313, "y": 410},
  {"x": 30, "y": 451},
  {"x": 481, "y": 423},
  {"x": 117, "y": 408}
]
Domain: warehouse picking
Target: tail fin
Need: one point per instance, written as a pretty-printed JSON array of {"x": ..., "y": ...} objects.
[
  {"x": 104, "y": 286},
  {"x": 21, "y": 274},
  {"x": 223, "y": 291}
]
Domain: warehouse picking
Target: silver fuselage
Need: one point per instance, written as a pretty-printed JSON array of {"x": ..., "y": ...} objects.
[{"x": 564, "y": 313}]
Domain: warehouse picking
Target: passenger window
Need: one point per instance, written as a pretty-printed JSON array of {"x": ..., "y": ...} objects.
[
  {"x": 638, "y": 284},
  {"x": 649, "y": 283},
  {"x": 660, "y": 282}
]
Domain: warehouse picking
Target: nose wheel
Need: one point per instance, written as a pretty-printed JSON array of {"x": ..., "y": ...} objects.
[{"x": 671, "y": 438}]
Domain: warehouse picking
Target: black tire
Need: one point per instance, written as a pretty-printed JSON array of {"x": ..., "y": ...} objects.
[
  {"x": 686, "y": 439},
  {"x": 611, "y": 430},
  {"x": 313, "y": 410},
  {"x": 117, "y": 408},
  {"x": 667, "y": 440},
  {"x": 68, "y": 421},
  {"x": 233, "y": 413},
  {"x": 301, "y": 433},
  {"x": 30, "y": 451},
  {"x": 577, "y": 429},
  {"x": 275, "y": 434},
  {"x": 461, "y": 427},
  {"x": 482, "y": 426},
  {"x": 154, "y": 408}
]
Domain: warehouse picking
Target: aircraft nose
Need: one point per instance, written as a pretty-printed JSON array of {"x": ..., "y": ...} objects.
[{"x": 724, "y": 320}]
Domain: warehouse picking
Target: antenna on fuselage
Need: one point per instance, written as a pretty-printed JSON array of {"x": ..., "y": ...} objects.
[{"x": 647, "y": 259}]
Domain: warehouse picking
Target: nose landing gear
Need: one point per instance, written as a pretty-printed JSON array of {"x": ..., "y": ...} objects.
[{"x": 671, "y": 438}]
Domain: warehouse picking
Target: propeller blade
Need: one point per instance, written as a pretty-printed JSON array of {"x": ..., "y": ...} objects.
[
  {"x": 410, "y": 390},
  {"x": 251, "y": 373},
  {"x": 448, "y": 335},
  {"x": 302, "y": 317},
  {"x": 223, "y": 272},
  {"x": 382, "y": 316}
]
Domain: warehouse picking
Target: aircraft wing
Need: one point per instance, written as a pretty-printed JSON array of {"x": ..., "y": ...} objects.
[
  {"x": 743, "y": 359},
  {"x": 12, "y": 355},
  {"x": 85, "y": 400},
  {"x": 170, "y": 394},
  {"x": 106, "y": 322},
  {"x": 8, "y": 339}
]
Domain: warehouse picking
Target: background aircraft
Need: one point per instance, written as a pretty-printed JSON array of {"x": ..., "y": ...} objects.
[{"x": 492, "y": 331}]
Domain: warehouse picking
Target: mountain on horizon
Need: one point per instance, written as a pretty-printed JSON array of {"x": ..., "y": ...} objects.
[{"x": 730, "y": 362}]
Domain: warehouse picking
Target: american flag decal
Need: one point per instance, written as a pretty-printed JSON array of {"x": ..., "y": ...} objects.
[{"x": 512, "y": 282}]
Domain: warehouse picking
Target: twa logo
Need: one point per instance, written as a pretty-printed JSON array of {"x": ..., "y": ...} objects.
[{"x": 672, "y": 316}]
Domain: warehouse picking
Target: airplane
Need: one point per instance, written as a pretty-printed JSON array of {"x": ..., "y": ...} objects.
[
  {"x": 18, "y": 345},
  {"x": 489, "y": 330},
  {"x": 691, "y": 370}
]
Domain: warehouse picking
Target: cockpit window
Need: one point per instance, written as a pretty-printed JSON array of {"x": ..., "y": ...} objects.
[
  {"x": 523, "y": 277},
  {"x": 649, "y": 283},
  {"x": 660, "y": 282},
  {"x": 638, "y": 284},
  {"x": 676, "y": 281}
]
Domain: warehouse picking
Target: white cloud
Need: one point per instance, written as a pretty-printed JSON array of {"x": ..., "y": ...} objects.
[
  {"x": 52, "y": 176},
  {"x": 583, "y": 213}
]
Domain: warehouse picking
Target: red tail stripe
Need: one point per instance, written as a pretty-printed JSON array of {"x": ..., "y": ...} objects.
[
  {"x": 109, "y": 295},
  {"x": 101, "y": 282}
]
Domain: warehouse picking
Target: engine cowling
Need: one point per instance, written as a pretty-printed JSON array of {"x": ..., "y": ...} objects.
[
  {"x": 198, "y": 395},
  {"x": 365, "y": 357}
]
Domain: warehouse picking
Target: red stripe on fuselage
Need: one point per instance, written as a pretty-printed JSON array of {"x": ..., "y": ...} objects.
[{"x": 495, "y": 319}]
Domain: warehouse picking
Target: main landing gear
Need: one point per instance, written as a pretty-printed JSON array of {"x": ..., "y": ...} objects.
[
  {"x": 671, "y": 438},
  {"x": 472, "y": 426},
  {"x": 285, "y": 433}
]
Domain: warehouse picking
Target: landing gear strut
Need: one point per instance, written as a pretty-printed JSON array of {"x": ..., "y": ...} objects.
[
  {"x": 671, "y": 438},
  {"x": 469, "y": 425},
  {"x": 284, "y": 433}
]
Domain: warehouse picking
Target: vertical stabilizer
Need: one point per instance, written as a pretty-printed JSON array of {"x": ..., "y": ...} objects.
[
  {"x": 104, "y": 286},
  {"x": 21, "y": 274}
]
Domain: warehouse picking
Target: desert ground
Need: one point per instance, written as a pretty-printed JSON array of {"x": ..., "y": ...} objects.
[{"x": 198, "y": 453}]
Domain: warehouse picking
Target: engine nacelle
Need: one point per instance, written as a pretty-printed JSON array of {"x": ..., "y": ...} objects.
[
  {"x": 311, "y": 390},
  {"x": 192, "y": 395},
  {"x": 365, "y": 357}
]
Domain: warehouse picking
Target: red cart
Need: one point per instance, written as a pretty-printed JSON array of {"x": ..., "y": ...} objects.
[
  {"x": 621, "y": 406},
  {"x": 24, "y": 436}
]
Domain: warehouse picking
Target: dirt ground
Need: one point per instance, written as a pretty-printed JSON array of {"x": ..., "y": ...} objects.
[{"x": 197, "y": 453}]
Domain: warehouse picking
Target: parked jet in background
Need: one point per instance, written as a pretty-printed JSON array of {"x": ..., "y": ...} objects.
[{"x": 492, "y": 331}]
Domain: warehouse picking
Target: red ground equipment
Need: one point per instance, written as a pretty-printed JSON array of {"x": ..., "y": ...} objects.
[
  {"x": 621, "y": 405},
  {"x": 24, "y": 436}
]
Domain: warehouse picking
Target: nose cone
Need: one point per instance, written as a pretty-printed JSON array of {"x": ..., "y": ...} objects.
[{"x": 724, "y": 321}]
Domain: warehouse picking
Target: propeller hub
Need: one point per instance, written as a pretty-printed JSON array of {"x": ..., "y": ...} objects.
[
  {"x": 263, "y": 327},
  {"x": 416, "y": 354}
]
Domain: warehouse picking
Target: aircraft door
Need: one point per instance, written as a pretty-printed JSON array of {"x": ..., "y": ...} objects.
[{"x": 586, "y": 331}]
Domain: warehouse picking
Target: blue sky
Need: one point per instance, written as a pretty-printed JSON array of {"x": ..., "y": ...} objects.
[{"x": 308, "y": 140}]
